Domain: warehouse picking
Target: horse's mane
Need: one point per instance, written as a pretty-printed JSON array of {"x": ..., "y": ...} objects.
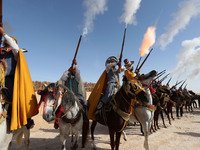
[{"x": 69, "y": 97}]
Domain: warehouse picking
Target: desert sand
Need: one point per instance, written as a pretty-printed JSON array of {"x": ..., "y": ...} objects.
[{"x": 183, "y": 134}]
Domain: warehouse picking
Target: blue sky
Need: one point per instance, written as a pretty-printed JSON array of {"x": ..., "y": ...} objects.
[{"x": 50, "y": 30}]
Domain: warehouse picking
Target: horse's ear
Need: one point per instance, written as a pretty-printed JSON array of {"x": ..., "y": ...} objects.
[
  {"x": 45, "y": 85},
  {"x": 39, "y": 92},
  {"x": 61, "y": 89}
]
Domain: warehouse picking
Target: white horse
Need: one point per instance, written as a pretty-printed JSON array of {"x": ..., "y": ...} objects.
[
  {"x": 7, "y": 136},
  {"x": 71, "y": 120},
  {"x": 141, "y": 113}
]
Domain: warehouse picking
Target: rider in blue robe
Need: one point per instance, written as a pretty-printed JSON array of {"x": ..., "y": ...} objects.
[{"x": 113, "y": 83}]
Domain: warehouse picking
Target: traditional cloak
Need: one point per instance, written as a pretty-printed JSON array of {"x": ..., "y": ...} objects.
[
  {"x": 96, "y": 95},
  {"x": 24, "y": 100}
]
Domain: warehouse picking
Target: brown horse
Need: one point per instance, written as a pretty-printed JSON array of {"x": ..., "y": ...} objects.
[
  {"x": 116, "y": 113},
  {"x": 163, "y": 94},
  {"x": 178, "y": 97}
]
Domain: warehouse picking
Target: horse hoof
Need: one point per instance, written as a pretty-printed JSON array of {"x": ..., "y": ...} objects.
[{"x": 74, "y": 147}]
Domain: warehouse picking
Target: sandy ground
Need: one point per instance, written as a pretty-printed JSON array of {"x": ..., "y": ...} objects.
[{"x": 183, "y": 134}]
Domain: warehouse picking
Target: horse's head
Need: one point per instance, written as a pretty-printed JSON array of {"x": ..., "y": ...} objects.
[
  {"x": 134, "y": 89},
  {"x": 68, "y": 97},
  {"x": 48, "y": 96},
  {"x": 147, "y": 78}
]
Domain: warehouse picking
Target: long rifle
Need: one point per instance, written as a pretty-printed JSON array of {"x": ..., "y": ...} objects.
[
  {"x": 159, "y": 75},
  {"x": 144, "y": 60},
  {"x": 1, "y": 20},
  {"x": 76, "y": 50},
  {"x": 164, "y": 78},
  {"x": 182, "y": 84},
  {"x": 177, "y": 83},
  {"x": 161, "y": 72},
  {"x": 138, "y": 64},
  {"x": 120, "y": 58},
  {"x": 185, "y": 86},
  {"x": 168, "y": 81}
]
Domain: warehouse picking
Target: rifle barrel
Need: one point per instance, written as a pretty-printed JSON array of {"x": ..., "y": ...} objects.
[
  {"x": 120, "y": 58},
  {"x": 76, "y": 50},
  {"x": 169, "y": 81},
  {"x": 161, "y": 72},
  {"x": 159, "y": 75},
  {"x": 145, "y": 59},
  {"x": 164, "y": 78},
  {"x": 177, "y": 83},
  {"x": 138, "y": 64}
]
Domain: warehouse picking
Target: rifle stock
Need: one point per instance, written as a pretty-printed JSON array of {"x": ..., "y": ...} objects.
[{"x": 76, "y": 50}]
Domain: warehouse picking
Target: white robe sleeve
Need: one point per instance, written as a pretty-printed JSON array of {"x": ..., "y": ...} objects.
[{"x": 11, "y": 42}]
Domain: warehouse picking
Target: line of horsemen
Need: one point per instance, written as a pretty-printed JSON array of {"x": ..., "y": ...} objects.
[{"x": 164, "y": 97}]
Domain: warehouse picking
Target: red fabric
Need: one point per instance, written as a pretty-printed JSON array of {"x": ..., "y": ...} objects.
[
  {"x": 58, "y": 114},
  {"x": 152, "y": 90}
]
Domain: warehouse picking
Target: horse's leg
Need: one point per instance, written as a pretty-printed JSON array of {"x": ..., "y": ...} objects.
[
  {"x": 156, "y": 116},
  {"x": 118, "y": 135},
  {"x": 75, "y": 145},
  {"x": 177, "y": 110},
  {"x": 167, "y": 113},
  {"x": 85, "y": 131},
  {"x": 141, "y": 129},
  {"x": 146, "y": 133},
  {"x": 63, "y": 141},
  {"x": 152, "y": 127},
  {"x": 155, "y": 128},
  {"x": 64, "y": 134},
  {"x": 191, "y": 105},
  {"x": 170, "y": 110},
  {"x": 9, "y": 146},
  {"x": 186, "y": 108},
  {"x": 94, "y": 123},
  {"x": 72, "y": 138},
  {"x": 112, "y": 140},
  {"x": 181, "y": 111},
  {"x": 161, "y": 113},
  {"x": 26, "y": 137},
  {"x": 124, "y": 134}
]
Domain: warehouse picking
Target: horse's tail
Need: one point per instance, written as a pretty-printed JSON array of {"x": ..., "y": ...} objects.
[{"x": 85, "y": 130}]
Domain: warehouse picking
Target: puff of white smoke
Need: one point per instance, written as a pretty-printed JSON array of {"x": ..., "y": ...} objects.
[
  {"x": 188, "y": 9},
  {"x": 188, "y": 59},
  {"x": 130, "y": 9},
  {"x": 93, "y": 8}
]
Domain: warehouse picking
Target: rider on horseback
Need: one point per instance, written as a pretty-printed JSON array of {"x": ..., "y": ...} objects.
[
  {"x": 113, "y": 83},
  {"x": 9, "y": 53},
  {"x": 72, "y": 79}
]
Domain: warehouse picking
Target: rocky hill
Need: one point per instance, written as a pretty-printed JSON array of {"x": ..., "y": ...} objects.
[{"x": 38, "y": 85}]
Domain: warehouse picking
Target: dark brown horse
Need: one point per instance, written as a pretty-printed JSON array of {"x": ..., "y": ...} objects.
[
  {"x": 178, "y": 97},
  {"x": 163, "y": 94},
  {"x": 116, "y": 113}
]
